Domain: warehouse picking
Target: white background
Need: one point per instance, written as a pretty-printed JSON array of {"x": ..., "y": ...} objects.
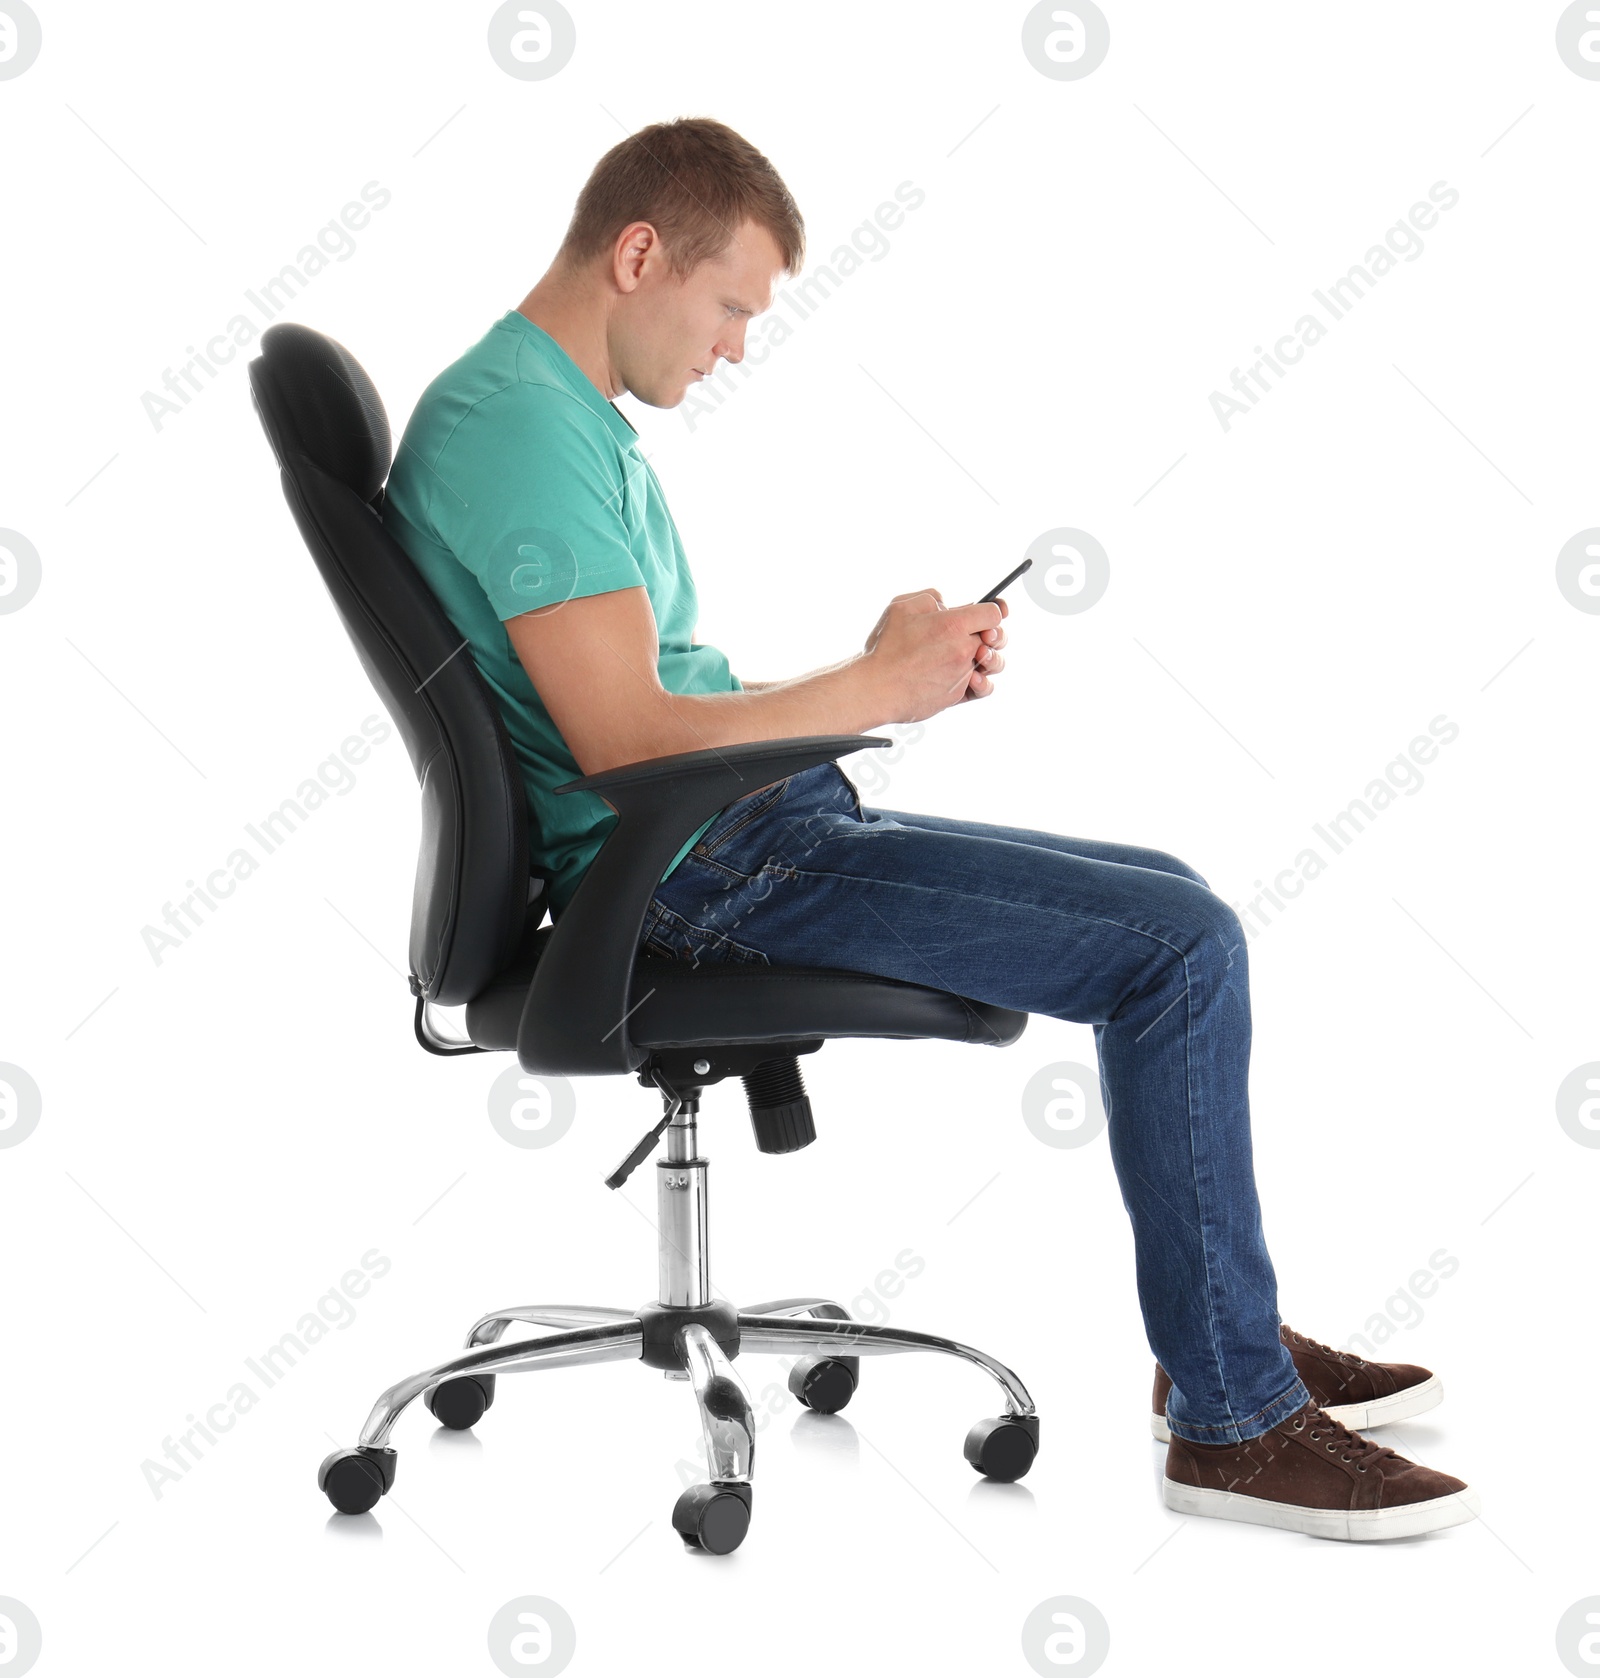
[{"x": 225, "y": 1133}]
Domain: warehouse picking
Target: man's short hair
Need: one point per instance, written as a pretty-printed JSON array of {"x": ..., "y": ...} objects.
[{"x": 696, "y": 182}]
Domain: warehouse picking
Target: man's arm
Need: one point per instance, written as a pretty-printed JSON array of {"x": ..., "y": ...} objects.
[
  {"x": 593, "y": 662},
  {"x": 749, "y": 687}
]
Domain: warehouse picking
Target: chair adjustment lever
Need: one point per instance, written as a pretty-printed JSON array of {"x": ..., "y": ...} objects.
[{"x": 642, "y": 1150}]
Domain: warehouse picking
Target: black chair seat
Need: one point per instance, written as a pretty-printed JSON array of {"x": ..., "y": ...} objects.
[{"x": 714, "y": 1003}]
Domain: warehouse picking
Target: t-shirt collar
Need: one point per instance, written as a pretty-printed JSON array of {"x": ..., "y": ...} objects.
[{"x": 574, "y": 377}]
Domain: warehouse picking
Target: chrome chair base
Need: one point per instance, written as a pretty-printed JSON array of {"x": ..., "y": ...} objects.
[{"x": 692, "y": 1337}]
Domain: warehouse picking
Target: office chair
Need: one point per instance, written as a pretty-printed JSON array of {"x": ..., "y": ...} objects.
[{"x": 580, "y": 998}]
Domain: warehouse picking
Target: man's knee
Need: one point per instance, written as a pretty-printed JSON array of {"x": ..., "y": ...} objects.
[
  {"x": 1202, "y": 924},
  {"x": 1220, "y": 931}
]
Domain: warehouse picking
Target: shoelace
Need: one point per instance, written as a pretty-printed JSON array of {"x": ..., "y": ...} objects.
[
  {"x": 1334, "y": 1436},
  {"x": 1317, "y": 1346}
]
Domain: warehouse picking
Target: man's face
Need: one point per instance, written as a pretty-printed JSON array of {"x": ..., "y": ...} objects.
[{"x": 671, "y": 333}]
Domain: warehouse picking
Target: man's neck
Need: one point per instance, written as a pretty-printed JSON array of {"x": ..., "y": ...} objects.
[{"x": 578, "y": 325}]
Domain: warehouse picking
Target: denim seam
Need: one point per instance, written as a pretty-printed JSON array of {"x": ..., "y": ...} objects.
[
  {"x": 1234, "y": 1425},
  {"x": 717, "y": 866},
  {"x": 744, "y": 820},
  {"x": 1199, "y": 1196},
  {"x": 789, "y": 872},
  {"x": 668, "y": 922},
  {"x": 1287, "y": 1404}
]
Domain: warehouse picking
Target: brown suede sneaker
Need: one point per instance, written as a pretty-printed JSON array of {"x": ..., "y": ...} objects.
[
  {"x": 1311, "y": 1474},
  {"x": 1351, "y": 1390}
]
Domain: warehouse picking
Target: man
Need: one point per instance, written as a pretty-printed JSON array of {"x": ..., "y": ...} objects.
[{"x": 521, "y": 493}]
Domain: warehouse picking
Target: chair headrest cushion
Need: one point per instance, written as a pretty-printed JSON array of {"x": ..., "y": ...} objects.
[{"x": 334, "y": 407}]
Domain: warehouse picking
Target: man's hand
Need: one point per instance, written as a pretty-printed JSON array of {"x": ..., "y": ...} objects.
[{"x": 929, "y": 656}]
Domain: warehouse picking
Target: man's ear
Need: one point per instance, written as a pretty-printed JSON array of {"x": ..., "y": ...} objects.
[{"x": 636, "y": 246}]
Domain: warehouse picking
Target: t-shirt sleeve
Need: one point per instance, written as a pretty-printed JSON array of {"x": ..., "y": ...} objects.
[{"x": 532, "y": 502}]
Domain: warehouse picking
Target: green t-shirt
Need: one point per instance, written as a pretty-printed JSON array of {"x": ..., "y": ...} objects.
[{"x": 516, "y": 485}]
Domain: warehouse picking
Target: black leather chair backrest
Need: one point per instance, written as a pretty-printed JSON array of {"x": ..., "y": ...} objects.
[{"x": 328, "y": 429}]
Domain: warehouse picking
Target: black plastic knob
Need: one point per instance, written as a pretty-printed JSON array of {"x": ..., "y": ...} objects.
[{"x": 780, "y": 1110}]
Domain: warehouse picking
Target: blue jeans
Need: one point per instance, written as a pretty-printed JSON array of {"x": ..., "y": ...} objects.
[{"x": 1129, "y": 940}]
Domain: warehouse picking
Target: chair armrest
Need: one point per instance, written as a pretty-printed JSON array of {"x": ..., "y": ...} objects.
[{"x": 574, "y": 1022}]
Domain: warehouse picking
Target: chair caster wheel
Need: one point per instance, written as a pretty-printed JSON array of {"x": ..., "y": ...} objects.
[
  {"x": 713, "y": 1518},
  {"x": 1003, "y": 1447},
  {"x": 355, "y": 1480},
  {"x": 461, "y": 1403},
  {"x": 825, "y": 1385}
]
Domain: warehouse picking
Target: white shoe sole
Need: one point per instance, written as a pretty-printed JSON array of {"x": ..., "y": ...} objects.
[
  {"x": 1406, "y": 1520},
  {"x": 1397, "y": 1407}
]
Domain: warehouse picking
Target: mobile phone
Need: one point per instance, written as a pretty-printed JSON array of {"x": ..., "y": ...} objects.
[
  {"x": 1004, "y": 583},
  {"x": 1000, "y": 587}
]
